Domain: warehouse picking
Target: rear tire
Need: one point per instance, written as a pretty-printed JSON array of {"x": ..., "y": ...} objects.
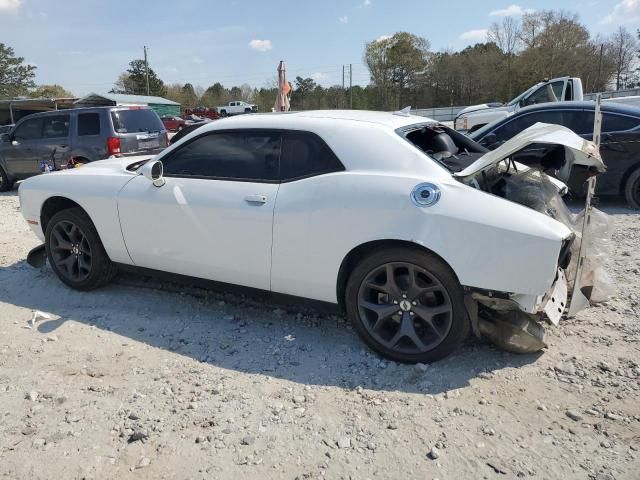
[
  {"x": 5, "y": 183},
  {"x": 417, "y": 316},
  {"x": 75, "y": 251},
  {"x": 223, "y": 113},
  {"x": 632, "y": 189}
]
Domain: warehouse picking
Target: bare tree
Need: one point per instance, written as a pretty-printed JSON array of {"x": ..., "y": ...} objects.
[
  {"x": 622, "y": 47},
  {"x": 507, "y": 36}
]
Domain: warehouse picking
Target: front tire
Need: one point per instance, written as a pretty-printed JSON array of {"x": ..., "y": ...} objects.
[
  {"x": 407, "y": 305},
  {"x": 75, "y": 251},
  {"x": 5, "y": 183},
  {"x": 632, "y": 189},
  {"x": 223, "y": 113}
]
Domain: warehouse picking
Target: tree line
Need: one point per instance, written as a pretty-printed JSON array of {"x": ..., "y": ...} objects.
[{"x": 404, "y": 70}]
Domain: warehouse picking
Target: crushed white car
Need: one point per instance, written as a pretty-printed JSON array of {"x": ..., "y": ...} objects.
[{"x": 419, "y": 233}]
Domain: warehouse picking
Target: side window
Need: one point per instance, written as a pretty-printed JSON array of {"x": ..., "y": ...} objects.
[
  {"x": 304, "y": 155},
  {"x": 580, "y": 121},
  {"x": 520, "y": 123},
  {"x": 248, "y": 155},
  {"x": 55, "y": 126},
  {"x": 618, "y": 123},
  {"x": 29, "y": 130},
  {"x": 88, "y": 124},
  {"x": 551, "y": 92}
]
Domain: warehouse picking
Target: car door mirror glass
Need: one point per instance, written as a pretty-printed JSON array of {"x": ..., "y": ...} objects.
[{"x": 153, "y": 171}]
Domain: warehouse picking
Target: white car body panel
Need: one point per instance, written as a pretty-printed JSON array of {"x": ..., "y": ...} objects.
[{"x": 296, "y": 241}]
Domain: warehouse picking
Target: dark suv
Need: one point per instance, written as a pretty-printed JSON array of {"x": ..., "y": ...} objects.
[{"x": 76, "y": 136}]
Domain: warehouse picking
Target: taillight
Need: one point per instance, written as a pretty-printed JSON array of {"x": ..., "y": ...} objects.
[{"x": 113, "y": 146}]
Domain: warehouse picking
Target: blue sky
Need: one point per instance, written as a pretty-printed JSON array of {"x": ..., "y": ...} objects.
[{"x": 85, "y": 44}]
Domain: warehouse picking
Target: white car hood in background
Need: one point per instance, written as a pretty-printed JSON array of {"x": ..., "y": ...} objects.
[{"x": 579, "y": 150}]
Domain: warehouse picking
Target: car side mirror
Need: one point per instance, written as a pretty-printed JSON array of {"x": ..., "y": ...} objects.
[{"x": 152, "y": 171}]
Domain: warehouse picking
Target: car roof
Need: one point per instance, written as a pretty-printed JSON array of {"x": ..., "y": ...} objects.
[
  {"x": 586, "y": 105},
  {"x": 85, "y": 109},
  {"x": 289, "y": 119}
]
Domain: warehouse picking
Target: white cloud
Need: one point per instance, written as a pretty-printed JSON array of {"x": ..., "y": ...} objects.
[
  {"x": 10, "y": 6},
  {"x": 344, "y": 19},
  {"x": 511, "y": 11},
  {"x": 383, "y": 37},
  {"x": 319, "y": 76},
  {"x": 479, "y": 35},
  {"x": 261, "y": 45},
  {"x": 366, "y": 3},
  {"x": 626, "y": 11}
]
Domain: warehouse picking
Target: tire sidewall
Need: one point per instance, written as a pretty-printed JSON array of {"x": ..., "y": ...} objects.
[
  {"x": 631, "y": 182},
  {"x": 442, "y": 272},
  {"x": 99, "y": 258},
  {"x": 5, "y": 183}
]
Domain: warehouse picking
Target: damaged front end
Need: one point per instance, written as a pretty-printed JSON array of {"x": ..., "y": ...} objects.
[{"x": 513, "y": 321}]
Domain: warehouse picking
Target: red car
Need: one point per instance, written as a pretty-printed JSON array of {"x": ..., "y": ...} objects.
[
  {"x": 203, "y": 112},
  {"x": 173, "y": 124}
]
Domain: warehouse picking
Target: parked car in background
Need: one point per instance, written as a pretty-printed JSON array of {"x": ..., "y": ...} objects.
[
  {"x": 186, "y": 131},
  {"x": 367, "y": 210},
  {"x": 202, "y": 112},
  {"x": 5, "y": 128},
  {"x": 620, "y": 143},
  {"x": 174, "y": 124},
  {"x": 80, "y": 135},
  {"x": 237, "y": 108},
  {"x": 562, "y": 89}
]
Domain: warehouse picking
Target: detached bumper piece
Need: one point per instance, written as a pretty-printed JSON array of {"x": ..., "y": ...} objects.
[
  {"x": 37, "y": 257},
  {"x": 513, "y": 331}
]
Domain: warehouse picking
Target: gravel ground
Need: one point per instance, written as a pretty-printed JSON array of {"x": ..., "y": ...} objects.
[{"x": 146, "y": 379}]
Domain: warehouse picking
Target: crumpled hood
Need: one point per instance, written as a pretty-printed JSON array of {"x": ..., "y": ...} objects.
[{"x": 579, "y": 151}]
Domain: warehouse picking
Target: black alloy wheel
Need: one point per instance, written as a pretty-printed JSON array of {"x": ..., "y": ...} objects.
[{"x": 407, "y": 305}]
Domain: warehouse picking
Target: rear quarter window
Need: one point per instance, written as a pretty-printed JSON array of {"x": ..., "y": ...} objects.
[
  {"x": 88, "y": 124},
  {"x": 135, "y": 121}
]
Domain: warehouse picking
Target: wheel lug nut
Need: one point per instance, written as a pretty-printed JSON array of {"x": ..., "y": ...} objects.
[
  {"x": 411, "y": 313},
  {"x": 400, "y": 312},
  {"x": 415, "y": 303},
  {"x": 404, "y": 295},
  {"x": 395, "y": 302}
]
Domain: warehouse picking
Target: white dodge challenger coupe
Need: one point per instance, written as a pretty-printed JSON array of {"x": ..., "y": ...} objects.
[{"x": 418, "y": 233}]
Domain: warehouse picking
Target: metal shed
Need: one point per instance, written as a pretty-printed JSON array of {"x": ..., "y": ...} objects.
[{"x": 162, "y": 106}]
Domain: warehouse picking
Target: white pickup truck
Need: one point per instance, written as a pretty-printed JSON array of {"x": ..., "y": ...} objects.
[
  {"x": 236, "y": 108},
  {"x": 562, "y": 89}
]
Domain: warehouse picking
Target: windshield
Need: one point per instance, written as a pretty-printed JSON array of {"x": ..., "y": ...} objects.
[
  {"x": 524, "y": 94},
  {"x": 142, "y": 120}
]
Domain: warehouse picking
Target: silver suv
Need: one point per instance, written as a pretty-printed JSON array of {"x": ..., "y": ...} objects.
[{"x": 61, "y": 138}]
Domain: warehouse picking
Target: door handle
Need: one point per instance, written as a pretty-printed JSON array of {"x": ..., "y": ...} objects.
[{"x": 256, "y": 198}]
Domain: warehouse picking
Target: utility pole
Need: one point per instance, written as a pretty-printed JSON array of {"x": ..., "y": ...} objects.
[
  {"x": 342, "y": 102},
  {"x": 599, "y": 67},
  {"x": 351, "y": 86},
  {"x": 146, "y": 69}
]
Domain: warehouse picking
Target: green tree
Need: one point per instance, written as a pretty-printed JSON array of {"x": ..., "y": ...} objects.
[
  {"x": 302, "y": 91},
  {"x": 395, "y": 64},
  {"x": 16, "y": 77},
  {"x": 189, "y": 97},
  {"x": 134, "y": 81},
  {"x": 214, "y": 96},
  {"x": 51, "y": 91}
]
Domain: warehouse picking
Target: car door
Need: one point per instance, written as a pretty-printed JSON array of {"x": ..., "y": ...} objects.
[
  {"x": 54, "y": 144},
  {"x": 213, "y": 217},
  {"x": 20, "y": 152}
]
